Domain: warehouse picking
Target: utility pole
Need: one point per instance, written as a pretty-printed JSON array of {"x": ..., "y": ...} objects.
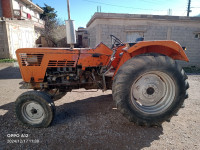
[
  {"x": 68, "y": 8},
  {"x": 188, "y": 10}
]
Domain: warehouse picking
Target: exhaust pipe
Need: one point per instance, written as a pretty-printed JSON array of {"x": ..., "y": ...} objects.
[{"x": 71, "y": 35}]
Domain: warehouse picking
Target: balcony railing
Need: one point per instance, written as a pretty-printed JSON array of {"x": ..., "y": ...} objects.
[{"x": 25, "y": 16}]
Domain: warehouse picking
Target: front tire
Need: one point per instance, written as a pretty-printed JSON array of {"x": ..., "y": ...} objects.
[
  {"x": 35, "y": 109},
  {"x": 149, "y": 89}
]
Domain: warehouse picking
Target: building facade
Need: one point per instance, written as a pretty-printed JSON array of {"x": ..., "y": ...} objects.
[
  {"x": 129, "y": 27},
  {"x": 82, "y": 37},
  {"x": 20, "y": 24},
  {"x": 21, "y": 10}
]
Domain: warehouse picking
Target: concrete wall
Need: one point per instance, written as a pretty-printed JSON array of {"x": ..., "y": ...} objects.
[
  {"x": 15, "y": 34},
  {"x": 4, "y": 53},
  {"x": 180, "y": 29},
  {"x": 21, "y": 34}
]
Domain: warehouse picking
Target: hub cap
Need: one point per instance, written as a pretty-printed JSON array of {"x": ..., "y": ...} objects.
[
  {"x": 153, "y": 92},
  {"x": 33, "y": 112}
]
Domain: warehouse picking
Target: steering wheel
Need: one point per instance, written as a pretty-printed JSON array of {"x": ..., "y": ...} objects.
[{"x": 115, "y": 41}]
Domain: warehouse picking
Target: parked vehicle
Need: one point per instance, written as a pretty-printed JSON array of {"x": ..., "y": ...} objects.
[{"x": 147, "y": 84}]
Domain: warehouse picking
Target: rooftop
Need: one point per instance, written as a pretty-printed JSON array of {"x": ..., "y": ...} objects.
[{"x": 140, "y": 17}]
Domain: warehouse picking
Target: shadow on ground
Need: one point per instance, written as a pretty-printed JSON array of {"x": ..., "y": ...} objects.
[
  {"x": 92, "y": 123},
  {"x": 10, "y": 73}
]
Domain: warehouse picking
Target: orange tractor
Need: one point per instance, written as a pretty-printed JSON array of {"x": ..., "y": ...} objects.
[{"x": 147, "y": 84}]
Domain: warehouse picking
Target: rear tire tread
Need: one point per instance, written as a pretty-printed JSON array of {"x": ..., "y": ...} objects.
[{"x": 120, "y": 78}]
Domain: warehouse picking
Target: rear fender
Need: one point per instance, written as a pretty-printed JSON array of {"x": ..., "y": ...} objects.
[{"x": 168, "y": 48}]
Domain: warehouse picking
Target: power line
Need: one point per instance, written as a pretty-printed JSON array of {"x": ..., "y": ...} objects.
[
  {"x": 157, "y": 2},
  {"x": 121, "y": 6},
  {"x": 150, "y": 2}
]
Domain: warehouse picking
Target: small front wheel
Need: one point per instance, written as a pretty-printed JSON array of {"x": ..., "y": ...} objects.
[{"x": 35, "y": 109}]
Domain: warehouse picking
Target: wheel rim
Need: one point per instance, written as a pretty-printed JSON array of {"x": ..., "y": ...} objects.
[
  {"x": 153, "y": 92},
  {"x": 33, "y": 112}
]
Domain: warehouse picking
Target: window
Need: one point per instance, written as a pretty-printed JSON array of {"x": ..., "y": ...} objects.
[
  {"x": 36, "y": 15},
  {"x": 132, "y": 36},
  {"x": 197, "y": 35},
  {"x": 16, "y": 13}
]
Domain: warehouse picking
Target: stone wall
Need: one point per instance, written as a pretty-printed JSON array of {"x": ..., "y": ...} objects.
[
  {"x": 3, "y": 41},
  {"x": 92, "y": 37},
  {"x": 180, "y": 29}
]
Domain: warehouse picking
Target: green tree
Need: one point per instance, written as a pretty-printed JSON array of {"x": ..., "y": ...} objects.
[
  {"x": 49, "y": 13},
  {"x": 54, "y": 31},
  {"x": 50, "y": 17}
]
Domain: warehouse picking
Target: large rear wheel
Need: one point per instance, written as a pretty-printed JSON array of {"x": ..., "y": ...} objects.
[{"x": 149, "y": 89}]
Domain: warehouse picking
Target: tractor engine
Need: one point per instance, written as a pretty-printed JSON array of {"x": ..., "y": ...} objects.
[{"x": 69, "y": 78}]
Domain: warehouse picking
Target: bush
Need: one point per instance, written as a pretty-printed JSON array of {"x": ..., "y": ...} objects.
[{"x": 7, "y": 60}]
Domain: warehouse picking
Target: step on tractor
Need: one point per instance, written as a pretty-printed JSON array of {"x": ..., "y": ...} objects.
[{"x": 148, "y": 85}]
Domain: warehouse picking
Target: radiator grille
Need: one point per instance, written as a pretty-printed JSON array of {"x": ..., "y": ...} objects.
[
  {"x": 31, "y": 59},
  {"x": 59, "y": 63}
]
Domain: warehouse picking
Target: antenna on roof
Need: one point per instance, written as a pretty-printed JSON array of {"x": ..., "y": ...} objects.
[
  {"x": 169, "y": 12},
  {"x": 99, "y": 9}
]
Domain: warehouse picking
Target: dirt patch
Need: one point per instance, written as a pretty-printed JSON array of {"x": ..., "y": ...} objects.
[{"x": 89, "y": 120}]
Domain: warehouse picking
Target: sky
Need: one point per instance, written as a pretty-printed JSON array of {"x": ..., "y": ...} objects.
[{"x": 83, "y": 10}]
